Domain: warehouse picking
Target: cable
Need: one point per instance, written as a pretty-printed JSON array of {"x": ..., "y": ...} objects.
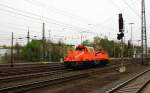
[
  {"x": 128, "y": 6},
  {"x": 44, "y": 6},
  {"x": 114, "y": 4},
  {"x": 105, "y": 21},
  {"x": 21, "y": 15},
  {"x": 58, "y": 11},
  {"x": 24, "y": 12},
  {"x": 19, "y": 30},
  {"x": 131, "y": 8},
  {"x": 8, "y": 33},
  {"x": 14, "y": 24},
  {"x": 20, "y": 25},
  {"x": 39, "y": 17},
  {"x": 108, "y": 19}
]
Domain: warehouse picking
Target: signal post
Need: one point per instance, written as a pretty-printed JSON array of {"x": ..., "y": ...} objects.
[{"x": 120, "y": 36}]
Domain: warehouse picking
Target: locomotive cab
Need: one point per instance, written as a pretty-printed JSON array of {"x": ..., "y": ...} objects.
[{"x": 81, "y": 48}]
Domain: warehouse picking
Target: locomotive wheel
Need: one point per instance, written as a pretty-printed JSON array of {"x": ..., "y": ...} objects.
[
  {"x": 67, "y": 64},
  {"x": 104, "y": 62},
  {"x": 70, "y": 64}
]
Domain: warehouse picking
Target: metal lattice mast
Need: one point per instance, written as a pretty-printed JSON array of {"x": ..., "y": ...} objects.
[{"x": 143, "y": 30}]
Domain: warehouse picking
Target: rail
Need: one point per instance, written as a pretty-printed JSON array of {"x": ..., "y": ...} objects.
[{"x": 115, "y": 89}]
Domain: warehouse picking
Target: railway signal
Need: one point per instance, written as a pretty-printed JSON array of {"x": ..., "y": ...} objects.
[
  {"x": 120, "y": 23},
  {"x": 120, "y": 35}
]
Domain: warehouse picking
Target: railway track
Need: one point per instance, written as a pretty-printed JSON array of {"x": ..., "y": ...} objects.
[
  {"x": 26, "y": 79},
  {"x": 53, "y": 77},
  {"x": 31, "y": 68},
  {"x": 27, "y": 76},
  {"x": 27, "y": 64},
  {"x": 133, "y": 85},
  {"x": 20, "y": 88},
  {"x": 8, "y": 71}
]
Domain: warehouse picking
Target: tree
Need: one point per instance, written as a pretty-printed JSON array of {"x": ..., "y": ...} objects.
[
  {"x": 86, "y": 43},
  {"x": 32, "y": 51}
]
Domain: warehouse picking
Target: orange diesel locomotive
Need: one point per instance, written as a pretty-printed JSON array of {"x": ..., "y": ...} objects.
[{"x": 83, "y": 55}]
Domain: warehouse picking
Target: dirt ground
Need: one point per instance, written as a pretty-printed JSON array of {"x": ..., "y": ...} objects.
[{"x": 94, "y": 83}]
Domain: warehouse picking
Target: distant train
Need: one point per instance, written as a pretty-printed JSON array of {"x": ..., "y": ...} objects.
[{"x": 82, "y": 55}]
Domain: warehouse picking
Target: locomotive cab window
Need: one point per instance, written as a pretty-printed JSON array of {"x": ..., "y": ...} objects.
[{"x": 80, "y": 49}]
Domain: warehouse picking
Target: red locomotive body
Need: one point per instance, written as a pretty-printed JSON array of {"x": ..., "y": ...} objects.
[{"x": 83, "y": 55}]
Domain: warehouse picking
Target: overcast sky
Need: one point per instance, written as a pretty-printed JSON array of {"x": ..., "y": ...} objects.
[{"x": 68, "y": 18}]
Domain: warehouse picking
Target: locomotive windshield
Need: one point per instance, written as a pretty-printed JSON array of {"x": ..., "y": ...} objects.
[{"x": 81, "y": 48}]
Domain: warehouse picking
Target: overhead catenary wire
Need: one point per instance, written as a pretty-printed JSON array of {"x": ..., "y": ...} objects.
[
  {"x": 56, "y": 22},
  {"x": 20, "y": 28},
  {"x": 13, "y": 12},
  {"x": 39, "y": 17},
  {"x": 116, "y": 5},
  {"x": 30, "y": 16},
  {"x": 25, "y": 29},
  {"x": 58, "y": 11},
  {"x": 19, "y": 34},
  {"x": 108, "y": 19},
  {"x": 43, "y": 5},
  {"x": 16, "y": 24},
  {"x": 134, "y": 11},
  {"x": 128, "y": 6}
]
